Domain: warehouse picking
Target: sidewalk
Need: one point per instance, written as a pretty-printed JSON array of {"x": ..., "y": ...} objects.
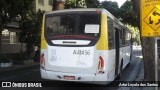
[
  {"x": 137, "y": 47},
  {"x": 140, "y": 77},
  {"x": 18, "y": 67}
]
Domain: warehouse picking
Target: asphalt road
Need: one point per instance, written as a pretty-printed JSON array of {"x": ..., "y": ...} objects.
[{"x": 33, "y": 74}]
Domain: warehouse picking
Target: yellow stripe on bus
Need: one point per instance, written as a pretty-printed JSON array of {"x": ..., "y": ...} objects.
[
  {"x": 43, "y": 42},
  {"x": 103, "y": 41}
]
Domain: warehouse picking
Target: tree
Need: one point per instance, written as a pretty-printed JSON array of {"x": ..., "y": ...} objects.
[
  {"x": 75, "y": 4},
  {"x": 148, "y": 49},
  {"x": 31, "y": 30},
  {"x": 10, "y": 10},
  {"x": 54, "y": 4},
  {"x": 127, "y": 14},
  {"x": 13, "y": 10},
  {"x": 112, "y": 7},
  {"x": 135, "y": 34},
  {"x": 81, "y": 3},
  {"x": 92, "y": 3}
]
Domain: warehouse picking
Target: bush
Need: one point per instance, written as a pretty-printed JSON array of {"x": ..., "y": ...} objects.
[
  {"x": 18, "y": 58},
  {"x": 5, "y": 59}
]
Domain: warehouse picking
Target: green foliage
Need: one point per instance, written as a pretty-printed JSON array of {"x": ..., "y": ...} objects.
[
  {"x": 31, "y": 29},
  {"x": 10, "y": 10},
  {"x": 30, "y": 23},
  {"x": 127, "y": 14},
  {"x": 112, "y": 7},
  {"x": 5, "y": 59},
  {"x": 81, "y": 3},
  {"x": 75, "y": 3},
  {"x": 135, "y": 34},
  {"x": 92, "y": 3},
  {"x": 18, "y": 58},
  {"x": 124, "y": 13}
]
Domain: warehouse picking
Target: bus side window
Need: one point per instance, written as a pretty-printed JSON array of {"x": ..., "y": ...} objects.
[
  {"x": 122, "y": 37},
  {"x": 111, "y": 42},
  {"x": 127, "y": 38}
]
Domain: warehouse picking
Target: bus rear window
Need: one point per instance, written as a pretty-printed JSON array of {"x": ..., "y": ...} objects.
[{"x": 72, "y": 24}]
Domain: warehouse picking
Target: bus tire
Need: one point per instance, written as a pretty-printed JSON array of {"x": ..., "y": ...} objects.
[{"x": 121, "y": 69}]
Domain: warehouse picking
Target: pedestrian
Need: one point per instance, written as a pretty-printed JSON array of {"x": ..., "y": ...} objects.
[{"x": 35, "y": 56}]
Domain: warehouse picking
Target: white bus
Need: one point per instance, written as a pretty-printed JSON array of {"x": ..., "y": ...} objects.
[{"x": 83, "y": 45}]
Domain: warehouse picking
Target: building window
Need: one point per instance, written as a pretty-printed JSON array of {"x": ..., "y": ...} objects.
[
  {"x": 5, "y": 32},
  {"x": 9, "y": 37},
  {"x": 111, "y": 38},
  {"x": 13, "y": 37},
  {"x": 127, "y": 37},
  {"x": 50, "y": 2},
  {"x": 41, "y": 2}
]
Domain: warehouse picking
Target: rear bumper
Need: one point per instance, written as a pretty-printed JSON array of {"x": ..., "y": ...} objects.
[{"x": 84, "y": 78}]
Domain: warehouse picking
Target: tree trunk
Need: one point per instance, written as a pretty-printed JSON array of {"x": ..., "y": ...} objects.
[
  {"x": 148, "y": 45},
  {"x": 0, "y": 35},
  {"x": 54, "y": 5},
  {"x": 148, "y": 48}
]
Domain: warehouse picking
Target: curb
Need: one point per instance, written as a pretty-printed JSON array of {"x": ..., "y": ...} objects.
[
  {"x": 135, "y": 71},
  {"x": 18, "y": 67},
  {"x": 133, "y": 76}
]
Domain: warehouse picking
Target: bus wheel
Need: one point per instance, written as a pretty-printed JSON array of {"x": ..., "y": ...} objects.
[{"x": 120, "y": 72}]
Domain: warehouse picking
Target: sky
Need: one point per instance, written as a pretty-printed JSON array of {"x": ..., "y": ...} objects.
[{"x": 120, "y": 2}]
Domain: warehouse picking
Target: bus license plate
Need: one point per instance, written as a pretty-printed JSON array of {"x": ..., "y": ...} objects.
[{"x": 69, "y": 77}]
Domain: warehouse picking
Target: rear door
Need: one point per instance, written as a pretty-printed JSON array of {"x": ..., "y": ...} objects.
[{"x": 117, "y": 40}]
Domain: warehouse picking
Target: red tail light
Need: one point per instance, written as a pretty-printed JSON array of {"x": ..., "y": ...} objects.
[
  {"x": 42, "y": 60},
  {"x": 101, "y": 65},
  {"x": 98, "y": 12}
]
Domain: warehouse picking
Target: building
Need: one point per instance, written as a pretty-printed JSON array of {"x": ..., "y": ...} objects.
[
  {"x": 10, "y": 34},
  {"x": 10, "y": 39},
  {"x": 45, "y": 5}
]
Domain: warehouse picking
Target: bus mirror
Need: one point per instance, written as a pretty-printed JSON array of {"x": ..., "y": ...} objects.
[{"x": 91, "y": 28}]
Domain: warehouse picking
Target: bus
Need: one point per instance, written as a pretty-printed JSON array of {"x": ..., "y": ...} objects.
[{"x": 83, "y": 45}]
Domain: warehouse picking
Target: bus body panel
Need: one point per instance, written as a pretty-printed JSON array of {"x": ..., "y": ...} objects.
[
  {"x": 125, "y": 54},
  {"x": 108, "y": 74},
  {"x": 95, "y": 78},
  {"x": 86, "y": 78},
  {"x": 82, "y": 63},
  {"x": 71, "y": 59},
  {"x": 111, "y": 65}
]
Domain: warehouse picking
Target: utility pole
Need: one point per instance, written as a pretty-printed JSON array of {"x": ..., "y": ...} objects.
[{"x": 54, "y": 5}]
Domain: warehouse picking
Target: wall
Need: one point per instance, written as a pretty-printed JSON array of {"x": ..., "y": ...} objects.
[
  {"x": 12, "y": 48},
  {"x": 45, "y": 6}
]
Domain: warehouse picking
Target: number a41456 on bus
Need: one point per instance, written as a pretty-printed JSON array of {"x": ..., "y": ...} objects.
[{"x": 83, "y": 45}]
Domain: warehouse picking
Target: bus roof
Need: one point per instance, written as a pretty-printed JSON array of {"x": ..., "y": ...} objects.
[{"x": 75, "y": 9}]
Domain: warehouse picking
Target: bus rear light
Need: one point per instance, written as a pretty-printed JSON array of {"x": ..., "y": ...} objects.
[
  {"x": 98, "y": 12},
  {"x": 101, "y": 65},
  {"x": 42, "y": 62}
]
